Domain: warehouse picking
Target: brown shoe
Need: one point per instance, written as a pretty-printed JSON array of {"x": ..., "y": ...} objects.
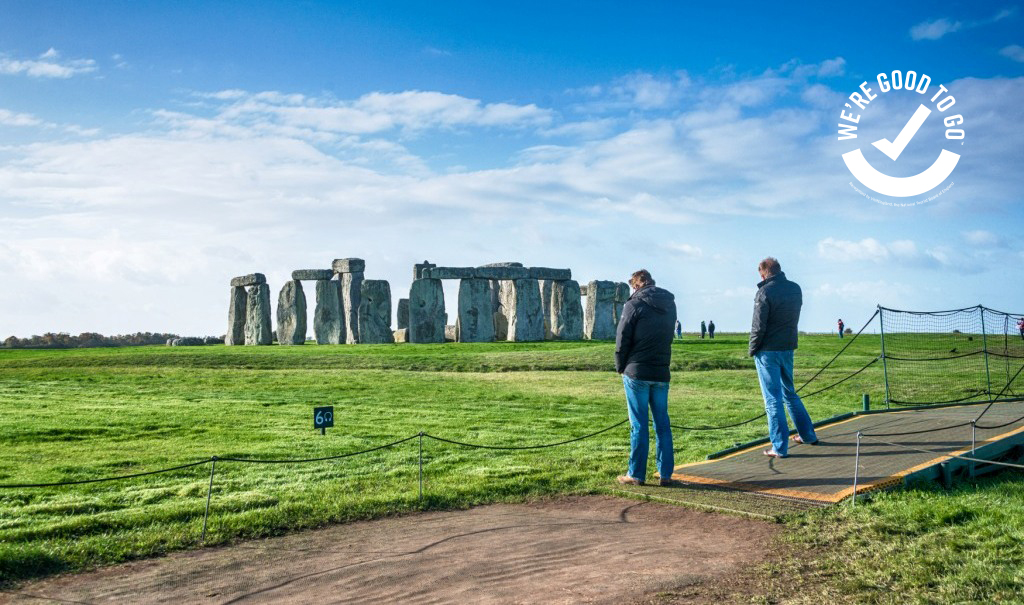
[{"x": 627, "y": 480}]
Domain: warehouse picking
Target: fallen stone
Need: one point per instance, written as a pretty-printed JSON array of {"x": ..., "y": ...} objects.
[
  {"x": 476, "y": 319},
  {"x": 546, "y": 273},
  {"x": 426, "y": 311},
  {"x": 312, "y": 274},
  {"x": 599, "y": 315},
  {"x": 291, "y": 314},
  {"x": 403, "y": 313},
  {"x": 566, "y": 315},
  {"x": 375, "y": 312},
  {"x": 257, "y": 315},
  {"x": 402, "y": 335},
  {"x": 451, "y": 333},
  {"x": 348, "y": 265},
  {"x": 328, "y": 327},
  {"x": 451, "y": 272},
  {"x": 236, "y": 317},
  {"x": 503, "y": 273},
  {"x": 351, "y": 290},
  {"x": 253, "y": 279},
  {"x": 522, "y": 305}
]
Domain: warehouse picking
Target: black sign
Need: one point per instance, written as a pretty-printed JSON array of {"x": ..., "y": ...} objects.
[{"x": 323, "y": 417}]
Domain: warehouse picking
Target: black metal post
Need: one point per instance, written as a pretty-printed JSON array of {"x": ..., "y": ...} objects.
[
  {"x": 856, "y": 471},
  {"x": 209, "y": 493},
  {"x": 421, "y": 467}
]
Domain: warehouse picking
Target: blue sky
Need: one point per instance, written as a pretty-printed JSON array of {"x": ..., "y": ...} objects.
[{"x": 149, "y": 151}]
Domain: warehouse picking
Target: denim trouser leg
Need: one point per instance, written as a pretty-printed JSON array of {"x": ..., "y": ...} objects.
[
  {"x": 641, "y": 394},
  {"x": 775, "y": 373}
]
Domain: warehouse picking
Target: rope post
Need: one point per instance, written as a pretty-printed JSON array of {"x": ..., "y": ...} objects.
[
  {"x": 421, "y": 468},
  {"x": 885, "y": 368},
  {"x": 865, "y": 401},
  {"x": 209, "y": 493},
  {"x": 984, "y": 348},
  {"x": 974, "y": 440},
  {"x": 856, "y": 471}
]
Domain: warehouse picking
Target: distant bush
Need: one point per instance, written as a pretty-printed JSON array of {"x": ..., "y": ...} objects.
[{"x": 63, "y": 340}]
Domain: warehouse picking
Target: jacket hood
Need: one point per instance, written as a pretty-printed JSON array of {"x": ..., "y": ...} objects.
[{"x": 658, "y": 299}]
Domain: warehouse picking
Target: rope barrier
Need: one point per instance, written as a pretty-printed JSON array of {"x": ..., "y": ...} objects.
[
  {"x": 299, "y": 460},
  {"x": 104, "y": 479},
  {"x": 841, "y": 351},
  {"x": 524, "y": 447},
  {"x": 927, "y": 451}
]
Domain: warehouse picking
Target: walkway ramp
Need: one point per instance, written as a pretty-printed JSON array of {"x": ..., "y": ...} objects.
[{"x": 825, "y": 472}]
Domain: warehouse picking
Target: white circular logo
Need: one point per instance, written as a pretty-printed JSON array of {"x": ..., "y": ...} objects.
[{"x": 929, "y": 102}]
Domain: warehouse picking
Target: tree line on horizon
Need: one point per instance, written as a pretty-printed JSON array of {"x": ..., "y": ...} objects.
[{"x": 63, "y": 340}]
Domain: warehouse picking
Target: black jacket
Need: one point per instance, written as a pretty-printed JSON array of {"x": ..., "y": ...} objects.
[
  {"x": 776, "y": 315},
  {"x": 643, "y": 341}
]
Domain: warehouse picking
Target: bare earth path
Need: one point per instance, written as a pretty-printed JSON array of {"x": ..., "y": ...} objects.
[{"x": 594, "y": 549}]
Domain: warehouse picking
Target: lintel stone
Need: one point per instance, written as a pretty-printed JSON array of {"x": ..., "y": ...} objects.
[
  {"x": 253, "y": 279},
  {"x": 312, "y": 274},
  {"x": 348, "y": 265}
]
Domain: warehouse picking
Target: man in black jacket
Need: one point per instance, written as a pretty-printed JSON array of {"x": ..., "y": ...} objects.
[
  {"x": 643, "y": 351},
  {"x": 773, "y": 337}
]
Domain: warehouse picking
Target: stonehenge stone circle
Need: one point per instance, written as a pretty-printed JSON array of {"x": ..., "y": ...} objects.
[
  {"x": 403, "y": 313},
  {"x": 426, "y": 311},
  {"x": 621, "y": 296},
  {"x": 522, "y": 305},
  {"x": 375, "y": 312},
  {"x": 350, "y": 272},
  {"x": 419, "y": 269},
  {"x": 328, "y": 327},
  {"x": 476, "y": 317},
  {"x": 545, "y": 302},
  {"x": 253, "y": 279},
  {"x": 236, "y": 317},
  {"x": 257, "y": 315},
  {"x": 291, "y": 314},
  {"x": 312, "y": 274},
  {"x": 599, "y": 318},
  {"x": 566, "y": 317}
]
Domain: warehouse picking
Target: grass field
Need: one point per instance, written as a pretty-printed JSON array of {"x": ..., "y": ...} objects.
[{"x": 80, "y": 414}]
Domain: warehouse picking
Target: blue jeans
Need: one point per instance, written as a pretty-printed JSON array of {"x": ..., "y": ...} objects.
[
  {"x": 641, "y": 394},
  {"x": 775, "y": 373}
]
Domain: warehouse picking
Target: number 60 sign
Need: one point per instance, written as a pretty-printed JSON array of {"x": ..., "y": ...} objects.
[{"x": 323, "y": 417}]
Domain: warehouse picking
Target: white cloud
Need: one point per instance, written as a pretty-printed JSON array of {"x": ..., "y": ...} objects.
[
  {"x": 10, "y": 118},
  {"x": 46, "y": 66},
  {"x": 933, "y": 30},
  {"x": 1014, "y": 52},
  {"x": 685, "y": 250},
  {"x": 982, "y": 238}
]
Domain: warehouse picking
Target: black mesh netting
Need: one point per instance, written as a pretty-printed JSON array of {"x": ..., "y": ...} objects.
[{"x": 972, "y": 354}]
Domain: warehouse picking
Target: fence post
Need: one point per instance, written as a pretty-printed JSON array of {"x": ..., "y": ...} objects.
[
  {"x": 209, "y": 493},
  {"x": 856, "y": 471},
  {"x": 421, "y": 468},
  {"x": 974, "y": 432},
  {"x": 984, "y": 348},
  {"x": 885, "y": 368},
  {"x": 866, "y": 402}
]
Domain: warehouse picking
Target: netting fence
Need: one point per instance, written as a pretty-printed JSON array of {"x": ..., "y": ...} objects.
[{"x": 965, "y": 355}]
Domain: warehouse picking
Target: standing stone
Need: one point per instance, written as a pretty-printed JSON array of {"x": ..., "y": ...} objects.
[
  {"x": 419, "y": 270},
  {"x": 621, "y": 296},
  {"x": 545, "y": 301},
  {"x": 500, "y": 318},
  {"x": 291, "y": 314},
  {"x": 257, "y": 315},
  {"x": 566, "y": 317},
  {"x": 426, "y": 311},
  {"x": 236, "y": 317},
  {"x": 599, "y": 318},
  {"x": 328, "y": 326},
  {"x": 403, "y": 313},
  {"x": 476, "y": 315},
  {"x": 375, "y": 312},
  {"x": 522, "y": 304},
  {"x": 351, "y": 291}
]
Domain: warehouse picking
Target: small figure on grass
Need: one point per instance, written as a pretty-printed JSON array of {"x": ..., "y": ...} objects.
[
  {"x": 773, "y": 337},
  {"x": 703, "y": 329},
  {"x": 1020, "y": 326},
  {"x": 842, "y": 326},
  {"x": 679, "y": 329},
  {"x": 711, "y": 329},
  {"x": 643, "y": 351}
]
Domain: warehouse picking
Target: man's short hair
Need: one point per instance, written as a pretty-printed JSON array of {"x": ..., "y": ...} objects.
[
  {"x": 641, "y": 279},
  {"x": 770, "y": 266}
]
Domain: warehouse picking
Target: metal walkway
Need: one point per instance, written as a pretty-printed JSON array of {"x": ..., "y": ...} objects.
[{"x": 825, "y": 472}]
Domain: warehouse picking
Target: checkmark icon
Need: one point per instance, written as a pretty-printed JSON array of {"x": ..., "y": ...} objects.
[{"x": 893, "y": 149}]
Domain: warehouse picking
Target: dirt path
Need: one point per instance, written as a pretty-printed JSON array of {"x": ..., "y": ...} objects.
[{"x": 594, "y": 549}]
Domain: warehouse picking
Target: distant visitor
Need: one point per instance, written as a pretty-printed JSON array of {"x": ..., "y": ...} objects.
[
  {"x": 643, "y": 351},
  {"x": 711, "y": 328},
  {"x": 773, "y": 338},
  {"x": 679, "y": 329},
  {"x": 841, "y": 327},
  {"x": 703, "y": 329}
]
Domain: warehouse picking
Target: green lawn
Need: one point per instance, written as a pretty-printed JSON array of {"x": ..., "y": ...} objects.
[{"x": 79, "y": 414}]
